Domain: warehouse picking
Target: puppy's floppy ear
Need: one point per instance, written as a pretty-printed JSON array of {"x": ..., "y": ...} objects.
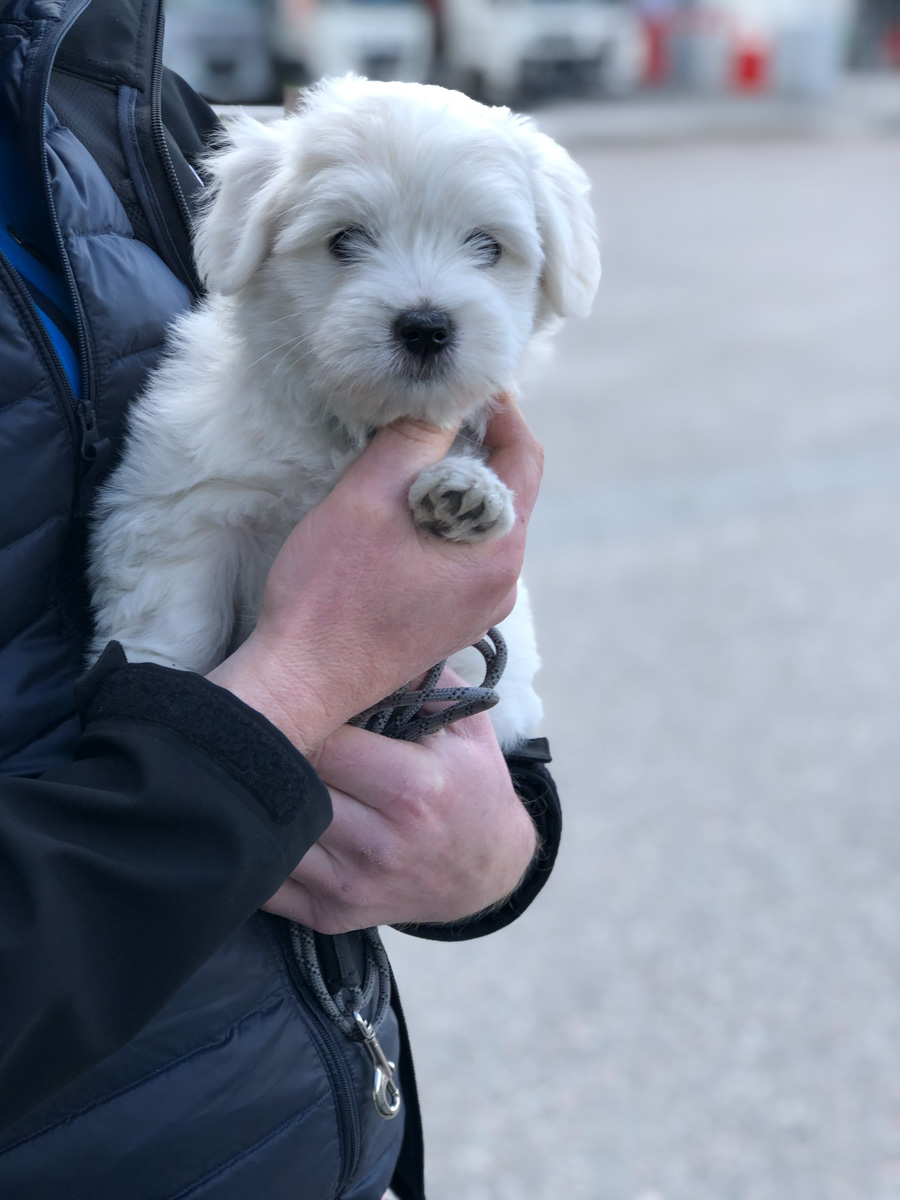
[
  {"x": 237, "y": 226},
  {"x": 566, "y": 225}
]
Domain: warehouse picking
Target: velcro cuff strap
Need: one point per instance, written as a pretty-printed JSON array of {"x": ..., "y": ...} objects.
[
  {"x": 213, "y": 720},
  {"x": 534, "y": 750}
]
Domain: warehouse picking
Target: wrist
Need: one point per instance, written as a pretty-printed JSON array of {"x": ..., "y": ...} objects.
[{"x": 285, "y": 694}]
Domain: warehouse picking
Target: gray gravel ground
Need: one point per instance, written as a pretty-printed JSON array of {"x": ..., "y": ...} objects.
[{"x": 704, "y": 1004}]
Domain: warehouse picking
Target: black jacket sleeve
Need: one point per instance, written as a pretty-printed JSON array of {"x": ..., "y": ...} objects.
[
  {"x": 537, "y": 791},
  {"x": 123, "y": 871}
]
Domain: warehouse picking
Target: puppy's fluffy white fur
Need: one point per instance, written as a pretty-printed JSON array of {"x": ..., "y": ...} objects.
[{"x": 374, "y": 201}]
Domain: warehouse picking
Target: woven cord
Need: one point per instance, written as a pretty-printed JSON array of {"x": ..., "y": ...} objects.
[
  {"x": 378, "y": 971},
  {"x": 397, "y": 716}
]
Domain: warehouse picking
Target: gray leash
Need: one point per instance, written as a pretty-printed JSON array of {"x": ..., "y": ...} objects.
[
  {"x": 343, "y": 1002},
  {"x": 354, "y": 994},
  {"x": 397, "y": 715}
]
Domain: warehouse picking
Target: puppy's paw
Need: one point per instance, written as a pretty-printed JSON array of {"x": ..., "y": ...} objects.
[{"x": 462, "y": 500}]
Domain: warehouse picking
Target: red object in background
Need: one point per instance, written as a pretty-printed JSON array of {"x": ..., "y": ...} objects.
[
  {"x": 656, "y": 68},
  {"x": 750, "y": 68},
  {"x": 892, "y": 46}
]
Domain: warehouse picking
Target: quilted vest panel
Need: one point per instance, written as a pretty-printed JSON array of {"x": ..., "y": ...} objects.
[
  {"x": 127, "y": 296},
  {"x": 237, "y": 1091}
]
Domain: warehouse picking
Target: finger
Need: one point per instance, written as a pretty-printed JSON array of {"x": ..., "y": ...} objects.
[
  {"x": 399, "y": 452},
  {"x": 320, "y": 868},
  {"x": 516, "y": 454},
  {"x": 292, "y": 902},
  {"x": 377, "y": 770},
  {"x": 300, "y": 900},
  {"x": 449, "y": 678},
  {"x": 299, "y": 897}
]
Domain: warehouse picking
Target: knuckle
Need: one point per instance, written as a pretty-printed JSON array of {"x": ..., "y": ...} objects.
[
  {"x": 506, "y": 606},
  {"x": 419, "y": 786},
  {"x": 505, "y": 570},
  {"x": 418, "y": 813},
  {"x": 537, "y": 456}
]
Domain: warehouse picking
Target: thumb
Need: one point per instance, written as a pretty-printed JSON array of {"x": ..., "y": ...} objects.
[{"x": 399, "y": 452}]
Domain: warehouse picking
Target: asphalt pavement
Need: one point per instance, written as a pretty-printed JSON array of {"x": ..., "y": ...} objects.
[{"x": 704, "y": 1003}]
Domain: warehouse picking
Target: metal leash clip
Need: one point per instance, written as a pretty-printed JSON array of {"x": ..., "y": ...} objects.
[{"x": 385, "y": 1093}]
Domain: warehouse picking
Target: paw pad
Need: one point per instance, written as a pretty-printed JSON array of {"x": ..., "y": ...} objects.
[{"x": 462, "y": 500}]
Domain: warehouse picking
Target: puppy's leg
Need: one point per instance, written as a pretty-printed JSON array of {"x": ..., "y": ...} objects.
[
  {"x": 167, "y": 599},
  {"x": 462, "y": 500},
  {"x": 518, "y": 715}
]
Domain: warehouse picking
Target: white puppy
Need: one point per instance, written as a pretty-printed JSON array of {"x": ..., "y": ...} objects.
[{"x": 390, "y": 250}]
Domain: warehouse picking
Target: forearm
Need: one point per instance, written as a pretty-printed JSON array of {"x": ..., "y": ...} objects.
[{"x": 120, "y": 873}]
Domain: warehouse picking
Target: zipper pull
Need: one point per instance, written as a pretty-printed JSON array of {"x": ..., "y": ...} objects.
[
  {"x": 94, "y": 453},
  {"x": 385, "y": 1093}
]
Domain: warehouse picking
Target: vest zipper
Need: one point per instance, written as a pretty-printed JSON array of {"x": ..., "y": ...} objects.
[
  {"x": 330, "y": 1045},
  {"x": 152, "y": 170},
  {"x": 51, "y": 360},
  {"x": 93, "y": 449},
  {"x": 186, "y": 269}
]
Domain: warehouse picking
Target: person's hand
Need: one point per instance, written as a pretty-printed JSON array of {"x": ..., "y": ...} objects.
[
  {"x": 422, "y": 831},
  {"x": 359, "y": 601}
]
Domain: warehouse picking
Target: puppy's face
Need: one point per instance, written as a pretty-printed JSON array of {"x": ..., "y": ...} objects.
[{"x": 395, "y": 247}]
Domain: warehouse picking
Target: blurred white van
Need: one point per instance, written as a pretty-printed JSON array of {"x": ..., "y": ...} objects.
[
  {"x": 381, "y": 39},
  {"x": 221, "y": 47},
  {"x": 499, "y": 49}
]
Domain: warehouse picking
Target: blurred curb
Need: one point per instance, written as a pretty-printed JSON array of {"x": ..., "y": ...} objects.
[{"x": 860, "y": 107}]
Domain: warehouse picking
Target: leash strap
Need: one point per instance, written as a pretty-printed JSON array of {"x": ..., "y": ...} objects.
[
  {"x": 398, "y": 714},
  {"x": 328, "y": 963}
]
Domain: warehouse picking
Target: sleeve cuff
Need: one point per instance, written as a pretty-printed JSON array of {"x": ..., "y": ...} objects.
[{"x": 214, "y": 721}]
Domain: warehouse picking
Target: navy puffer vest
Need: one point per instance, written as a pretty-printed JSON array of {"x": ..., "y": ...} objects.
[{"x": 240, "y": 1089}]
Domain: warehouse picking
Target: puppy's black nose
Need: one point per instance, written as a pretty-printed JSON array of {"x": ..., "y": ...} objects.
[{"x": 423, "y": 332}]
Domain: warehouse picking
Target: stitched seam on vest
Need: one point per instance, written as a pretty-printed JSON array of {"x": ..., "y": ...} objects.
[
  {"x": 10, "y": 404},
  {"x": 238, "y": 1158},
  {"x": 29, "y": 323},
  {"x": 109, "y": 231},
  {"x": 154, "y": 349},
  {"x": 61, "y": 515},
  {"x": 215, "y": 1043}
]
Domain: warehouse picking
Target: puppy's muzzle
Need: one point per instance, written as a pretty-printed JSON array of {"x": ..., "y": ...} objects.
[{"x": 423, "y": 333}]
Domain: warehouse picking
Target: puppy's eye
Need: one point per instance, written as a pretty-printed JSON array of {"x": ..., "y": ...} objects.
[
  {"x": 348, "y": 245},
  {"x": 485, "y": 247}
]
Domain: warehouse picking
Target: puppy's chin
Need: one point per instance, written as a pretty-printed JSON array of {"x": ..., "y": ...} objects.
[{"x": 429, "y": 393}]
